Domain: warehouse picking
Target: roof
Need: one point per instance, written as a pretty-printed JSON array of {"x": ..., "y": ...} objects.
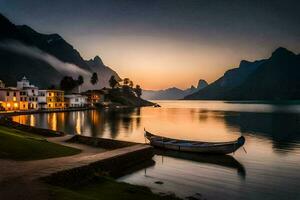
[
  {"x": 51, "y": 90},
  {"x": 74, "y": 96},
  {"x": 10, "y": 89}
]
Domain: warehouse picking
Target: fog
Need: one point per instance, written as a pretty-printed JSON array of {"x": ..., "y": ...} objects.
[{"x": 63, "y": 67}]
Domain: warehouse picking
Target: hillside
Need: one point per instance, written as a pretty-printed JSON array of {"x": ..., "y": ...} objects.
[
  {"x": 23, "y": 51},
  {"x": 96, "y": 65},
  {"x": 274, "y": 78}
]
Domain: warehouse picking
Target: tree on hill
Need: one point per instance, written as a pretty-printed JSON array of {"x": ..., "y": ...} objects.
[
  {"x": 94, "y": 78},
  {"x": 68, "y": 83},
  {"x": 80, "y": 81},
  {"x": 113, "y": 82},
  {"x": 131, "y": 84},
  {"x": 126, "y": 81},
  {"x": 138, "y": 90}
]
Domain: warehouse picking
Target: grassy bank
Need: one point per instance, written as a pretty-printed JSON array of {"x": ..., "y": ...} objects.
[
  {"x": 20, "y": 145},
  {"x": 108, "y": 189}
]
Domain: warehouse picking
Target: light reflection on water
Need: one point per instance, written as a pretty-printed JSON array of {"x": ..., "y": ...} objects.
[{"x": 269, "y": 170}]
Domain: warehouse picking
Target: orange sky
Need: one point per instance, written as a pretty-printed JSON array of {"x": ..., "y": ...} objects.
[
  {"x": 165, "y": 43},
  {"x": 159, "y": 63}
]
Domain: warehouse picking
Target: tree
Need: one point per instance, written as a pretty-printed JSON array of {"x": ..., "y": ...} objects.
[
  {"x": 126, "y": 81},
  {"x": 138, "y": 90},
  {"x": 94, "y": 78},
  {"x": 131, "y": 84},
  {"x": 80, "y": 81},
  {"x": 68, "y": 83},
  {"x": 113, "y": 82}
]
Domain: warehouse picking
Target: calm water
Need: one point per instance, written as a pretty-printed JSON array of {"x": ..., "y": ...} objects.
[{"x": 269, "y": 170}]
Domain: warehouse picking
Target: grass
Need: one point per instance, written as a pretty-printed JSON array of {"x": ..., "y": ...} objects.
[
  {"x": 107, "y": 189},
  {"x": 20, "y": 145}
]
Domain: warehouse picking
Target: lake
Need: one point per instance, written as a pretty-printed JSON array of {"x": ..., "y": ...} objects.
[{"x": 269, "y": 170}]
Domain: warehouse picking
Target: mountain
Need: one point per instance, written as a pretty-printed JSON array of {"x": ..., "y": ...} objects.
[
  {"x": 43, "y": 58},
  {"x": 172, "y": 93},
  {"x": 201, "y": 84},
  {"x": 96, "y": 65},
  {"x": 277, "y": 79},
  {"x": 270, "y": 79}
]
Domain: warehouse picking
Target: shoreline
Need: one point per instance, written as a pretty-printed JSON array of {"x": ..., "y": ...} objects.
[
  {"x": 80, "y": 170},
  {"x": 28, "y": 112}
]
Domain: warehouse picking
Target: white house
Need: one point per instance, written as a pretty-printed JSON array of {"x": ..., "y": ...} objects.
[
  {"x": 28, "y": 92},
  {"x": 75, "y": 101}
]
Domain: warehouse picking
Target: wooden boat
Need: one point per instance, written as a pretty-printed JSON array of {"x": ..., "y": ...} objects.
[{"x": 195, "y": 146}]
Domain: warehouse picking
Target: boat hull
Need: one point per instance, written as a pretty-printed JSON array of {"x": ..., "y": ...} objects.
[{"x": 194, "y": 146}]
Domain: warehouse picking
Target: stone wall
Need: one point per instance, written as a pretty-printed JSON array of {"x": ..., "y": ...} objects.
[
  {"x": 113, "y": 166},
  {"x": 100, "y": 142}
]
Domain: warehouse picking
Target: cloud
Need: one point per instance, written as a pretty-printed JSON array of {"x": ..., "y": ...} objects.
[{"x": 63, "y": 67}]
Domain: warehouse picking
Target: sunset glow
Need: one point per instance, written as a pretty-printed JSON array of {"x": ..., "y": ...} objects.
[{"x": 177, "y": 43}]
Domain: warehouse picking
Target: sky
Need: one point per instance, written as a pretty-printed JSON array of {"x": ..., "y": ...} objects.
[{"x": 166, "y": 43}]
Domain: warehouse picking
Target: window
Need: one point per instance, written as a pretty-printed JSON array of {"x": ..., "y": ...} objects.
[
  {"x": 15, "y": 94},
  {"x": 7, "y": 94}
]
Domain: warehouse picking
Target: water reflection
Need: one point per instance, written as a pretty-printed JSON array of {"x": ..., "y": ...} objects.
[
  {"x": 272, "y": 141},
  {"x": 219, "y": 160},
  {"x": 283, "y": 129}
]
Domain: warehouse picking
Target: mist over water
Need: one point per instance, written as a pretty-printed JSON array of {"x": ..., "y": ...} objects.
[{"x": 269, "y": 170}]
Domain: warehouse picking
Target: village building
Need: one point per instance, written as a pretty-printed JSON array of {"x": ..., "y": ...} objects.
[
  {"x": 9, "y": 99},
  {"x": 94, "y": 96},
  {"x": 28, "y": 94},
  {"x": 23, "y": 100},
  {"x": 75, "y": 101},
  {"x": 51, "y": 99}
]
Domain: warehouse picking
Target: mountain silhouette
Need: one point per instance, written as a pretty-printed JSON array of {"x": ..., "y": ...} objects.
[
  {"x": 173, "y": 93},
  {"x": 275, "y": 78}
]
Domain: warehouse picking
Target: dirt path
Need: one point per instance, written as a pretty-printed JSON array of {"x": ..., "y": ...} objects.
[{"x": 19, "y": 179}]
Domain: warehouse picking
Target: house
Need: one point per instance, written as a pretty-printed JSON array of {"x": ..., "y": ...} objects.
[
  {"x": 94, "y": 96},
  {"x": 23, "y": 100},
  {"x": 9, "y": 99},
  {"x": 75, "y": 101},
  {"x": 28, "y": 94},
  {"x": 51, "y": 99}
]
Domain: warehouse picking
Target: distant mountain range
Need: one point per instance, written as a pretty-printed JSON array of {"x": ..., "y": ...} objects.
[
  {"x": 275, "y": 78},
  {"x": 44, "y": 58},
  {"x": 173, "y": 93}
]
